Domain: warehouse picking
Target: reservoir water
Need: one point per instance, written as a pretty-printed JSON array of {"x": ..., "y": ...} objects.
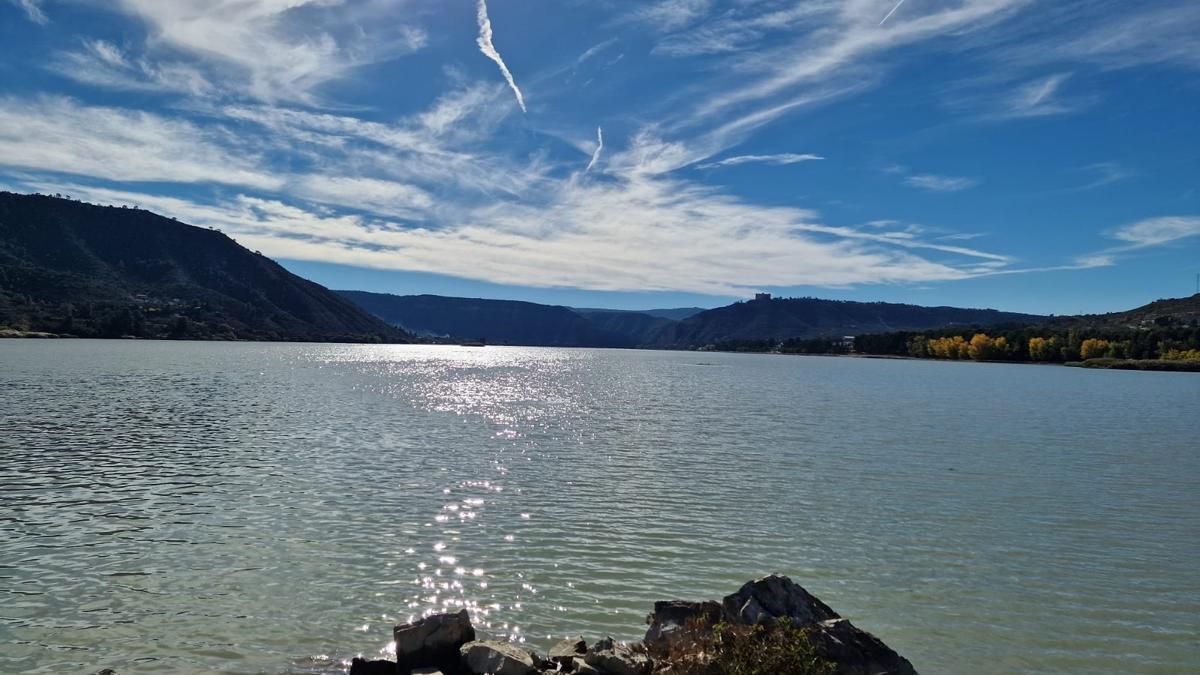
[{"x": 268, "y": 508}]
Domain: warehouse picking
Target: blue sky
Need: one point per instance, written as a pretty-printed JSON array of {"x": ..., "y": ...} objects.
[{"x": 1028, "y": 155}]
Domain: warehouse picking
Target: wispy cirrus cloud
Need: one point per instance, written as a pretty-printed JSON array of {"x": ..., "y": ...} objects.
[
  {"x": 848, "y": 38},
  {"x": 489, "y": 50},
  {"x": 1140, "y": 235},
  {"x": 106, "y": 65},
  {"x": 270, "y": 50},
  {"x": 61, "y": 135},
  {"x": 741, "y": 28},
  {"x": 1124, "y": 35},
  {"x": 935, "y": 183},
  {"x": 1158, "y": 231},
  {"x": 779, "y": 160},
  {"x": 668, "y": 15},
  {"x": 1038, "y": 98},
  {"x": 33, "y": 10},
  {"x": 1106, "y": 173}
]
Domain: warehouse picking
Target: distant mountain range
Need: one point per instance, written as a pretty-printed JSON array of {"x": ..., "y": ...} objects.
[
  {"x": 526, "y": 323},
  {"x": 101, "y": 271},
  {"x": 781, "y": 318},
  {"x": 493, "y": 321}
]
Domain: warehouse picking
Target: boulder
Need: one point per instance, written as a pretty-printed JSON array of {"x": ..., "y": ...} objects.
[
  {"x": 378, "y": 667},
  {"x": 612, "y": 658},
  {"x": 856, "y": 651},
  {"x": 774, "y": 597},
  {"x": 673, "y": 619},
  {"x": 433, "y": 642},
  {"x": 581, "y": 667},
  {"x": 567, "y": 650},
  {"x": 488, "y": 657}
]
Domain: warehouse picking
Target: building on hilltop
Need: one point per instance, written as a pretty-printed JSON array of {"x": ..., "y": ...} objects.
[{"x": 762, "y": 296}]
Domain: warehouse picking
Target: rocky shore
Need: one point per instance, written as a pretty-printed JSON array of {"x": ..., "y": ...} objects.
[{"x": 770, "y": 626}]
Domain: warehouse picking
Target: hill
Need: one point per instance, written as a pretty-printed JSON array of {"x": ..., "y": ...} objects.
[
  {"x": 641, "y": 328},
  {"x": 674, "y": 313},
  {"x": 493, "y": 321},
  {"x": 804, "y": 318},
  {"x": 102, "y": 271},
  {"x": 1163, "y": 312}
]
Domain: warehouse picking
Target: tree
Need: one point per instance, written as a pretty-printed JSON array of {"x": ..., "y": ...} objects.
[
  {"x": 1093, "y": 348},
  {"x": 918, "y": 347}
]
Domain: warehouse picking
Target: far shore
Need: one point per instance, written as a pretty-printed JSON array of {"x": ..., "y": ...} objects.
[{"x": 1151, "y": 365}]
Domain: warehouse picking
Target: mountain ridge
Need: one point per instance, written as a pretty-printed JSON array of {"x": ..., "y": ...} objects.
[{"x": 102, "y": 271}]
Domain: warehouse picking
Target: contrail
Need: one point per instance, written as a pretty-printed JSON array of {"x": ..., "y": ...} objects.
[
  {"x": 596, "y": 152},
  {"x": 889, "y": 14},
  {"x": 489, "y": 50}
]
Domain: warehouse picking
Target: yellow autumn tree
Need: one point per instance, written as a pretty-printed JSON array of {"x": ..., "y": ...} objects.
[
  {"x": 985, "y": 348},
  {"x": 948, "y": 348},
  {"x": 980, "y": 347},
  {"x": 1181, "y": 355},
  {"x": 1093, "y": 348},
  {"x": 1041, "y": 349}
]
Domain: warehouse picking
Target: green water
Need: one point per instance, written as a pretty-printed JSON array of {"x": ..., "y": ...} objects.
[{"x": 198, "y": 507}]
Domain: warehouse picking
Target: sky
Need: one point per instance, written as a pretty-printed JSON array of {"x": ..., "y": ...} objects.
[{"x": 1038, "y": 156}]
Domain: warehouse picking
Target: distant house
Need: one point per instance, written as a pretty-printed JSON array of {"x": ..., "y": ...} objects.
[
  {"x": 845, "y": 342},
  {"x": 762, "y": 296}
]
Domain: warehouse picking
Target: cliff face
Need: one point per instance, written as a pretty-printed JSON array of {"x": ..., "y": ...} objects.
[{"x": 99, "y": 271}]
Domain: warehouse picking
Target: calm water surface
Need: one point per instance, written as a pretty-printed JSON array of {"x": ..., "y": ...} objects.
[{"x": 245, "y": 508}]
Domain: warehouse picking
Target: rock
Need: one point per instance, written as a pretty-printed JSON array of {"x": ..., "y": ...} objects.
[
  {"x": 857, "y": 651},
  {"x": 774, "y": 597},
  {"x": 540, "y": 663},
  {"x": 364, "y": 667},
  {"x": 488, "y": 657},
  {"x": 566, "y": 650},
  {"x": 360, "y": 666},
  {"x": 433, "y": 642},
  {"x": 581, "y": 667},
  {"x": 672, "y": 619},
  {"x": 617, "y": 659}
]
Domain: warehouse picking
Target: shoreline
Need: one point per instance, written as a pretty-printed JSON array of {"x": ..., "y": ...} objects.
[
  {"x": 1143, "y": 365},
  {"x": 770, "y": 625}
]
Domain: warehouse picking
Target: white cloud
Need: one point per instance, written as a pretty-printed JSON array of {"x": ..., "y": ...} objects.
[
  {"x": 104, "y": 64},
  {"x": 1037, "y": 98},
  {"x": 668, "y": 15},
  {"x": 1106, "y": 173},
  {"x": 935, "y": 183},
  {"x": 1125, "y": 36},
  {"x": 61, "y": 135},
  {"x": 1158, "y": 231},
  {"x": 780, "y": 159},
  {"x": 274, "y": 50},
  {"x": 33, "y": 10},
  {"x": 489, "y": 50},
  {"x": 845, "y": 41},
  {"x": 383, "y": 197}
]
